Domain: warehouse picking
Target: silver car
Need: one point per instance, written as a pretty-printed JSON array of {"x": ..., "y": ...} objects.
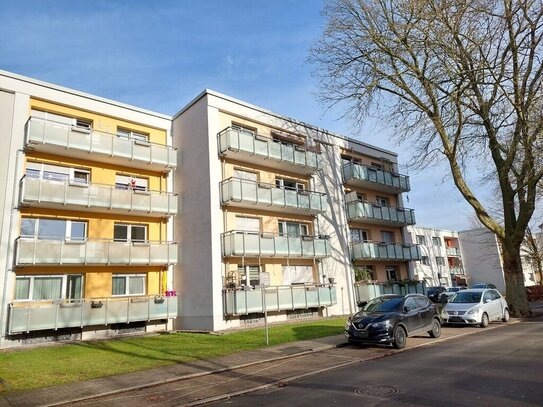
[{"x": 476, "y": 306}]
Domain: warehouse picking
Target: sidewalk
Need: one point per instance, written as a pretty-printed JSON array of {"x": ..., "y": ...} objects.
[{"x": 73, "y": 392}]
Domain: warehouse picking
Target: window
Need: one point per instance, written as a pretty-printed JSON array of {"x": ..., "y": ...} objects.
[
  {"x": 128, "y": 284},
  {"x": 292, "y": 228},
  {"x": 289, "y": 184},
  {"x": 382, "y": 201},
  {"x": 360, "y": 196},
  {"x": 124, "y": 232},
  {"x": 436, "y": 241},
  {"x": 425, "y": 260},
  {"x": 387, "y": 236},
  {"x": 131, "y": 182},
  {"x": 245, "y": 175},
  {"x": 53, "y": 229},
  {"x": 132, "y": 135},
  {"x": 297, "y": 275},
  {"x": 440, "y": 261},
  {"x": 421, "y": 239},
  {"x": 246, "y": 224},
  {"x": 410, "y": 304},
  {"x": 250, "y": 274},
  {"x": 359, "y": 235},
  {"x": 65, "y": 120},
  {"x": 392, "y": 273},
  {"x": 57, "y": 173},
  {"x": 84, "y": 124},
  {"x": 59, "y": 287}
]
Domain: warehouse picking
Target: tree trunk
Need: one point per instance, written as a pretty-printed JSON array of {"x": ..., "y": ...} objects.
[{"x": 515, "y": 293}]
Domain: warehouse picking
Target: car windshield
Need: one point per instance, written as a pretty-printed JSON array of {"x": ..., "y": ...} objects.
[
  {"x": 383, "y": 304},
  {"x": 467, "y": 297}
]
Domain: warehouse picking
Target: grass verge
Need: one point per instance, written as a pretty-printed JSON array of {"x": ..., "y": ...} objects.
[{"x": 48, "y": 366}]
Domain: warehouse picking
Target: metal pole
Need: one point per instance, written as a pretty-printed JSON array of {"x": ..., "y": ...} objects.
[{"x": 265, "y": 315}]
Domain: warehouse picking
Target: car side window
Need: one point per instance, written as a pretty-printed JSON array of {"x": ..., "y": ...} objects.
[
  {"x": 422, "y": 302},
  {"x": 495, "y": 295},
  {"x": 410, "y": 304},
  {"x": 488, "y": 296}
]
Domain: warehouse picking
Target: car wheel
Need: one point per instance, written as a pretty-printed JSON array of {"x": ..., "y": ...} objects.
[
  {"x": 400, "y": 338},
  {"x": 484, "y": 320},
  {"x": 505, "y": 315},
  {"x": 436, "y": 329}
]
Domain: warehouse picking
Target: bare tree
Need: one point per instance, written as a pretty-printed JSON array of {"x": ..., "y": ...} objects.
[{"x": 461, "y": 80}]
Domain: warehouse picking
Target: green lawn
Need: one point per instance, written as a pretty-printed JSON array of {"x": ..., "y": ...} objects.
[{"x": 49, "y": 366}]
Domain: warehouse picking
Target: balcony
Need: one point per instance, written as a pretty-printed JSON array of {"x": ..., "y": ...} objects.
[
  {"x": 244, "y": 145},
  {"x": 37, "y": 192},
  {"x": 250, "y": 194},
  {"x": 255, "y": 244},
  {"x": 456, "y": 270},
  {"x": 359, "y": 175},
  {"x": 375, "y": 213},
  {"x": 42, "y": 251},
  {"x": 39, "y": 315},
  {"x": 384, "y": 251},
  {"x": 73, "y": 141},
  {"x": 278, "y": 298},
  {"x": 452, "y": 251}
]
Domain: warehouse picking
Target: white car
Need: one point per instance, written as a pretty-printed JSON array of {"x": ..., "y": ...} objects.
[{"x": 477, "y": 306}]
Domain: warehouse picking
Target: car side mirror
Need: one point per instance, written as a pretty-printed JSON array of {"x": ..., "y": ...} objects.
[{"x": 488, "y": 300}]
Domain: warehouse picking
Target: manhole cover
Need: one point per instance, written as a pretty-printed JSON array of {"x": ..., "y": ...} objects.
[{"x": 377, "y": 391}]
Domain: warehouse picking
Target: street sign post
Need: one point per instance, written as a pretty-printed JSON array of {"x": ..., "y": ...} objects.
[{"x": 264, "y": 282}]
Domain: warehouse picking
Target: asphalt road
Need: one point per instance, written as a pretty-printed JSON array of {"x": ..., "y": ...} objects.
[{"x": 499, "y": 367}]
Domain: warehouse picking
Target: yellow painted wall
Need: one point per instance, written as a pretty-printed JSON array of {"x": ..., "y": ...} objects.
[
  {"x": 380, "y": 269},
  {"x": 374, "y": 231},
  {"x": 100, "y": 122},
  {"x": 268, "y": 221},
  {"x": 371, "y": 196},
  {"x": 263, "y": 174},
  {"x": 272, "y": 266},
  {"x": 97, "y": 280},
  {"x": 100, "y": 225},
  {"x": 100, "y": 173}
]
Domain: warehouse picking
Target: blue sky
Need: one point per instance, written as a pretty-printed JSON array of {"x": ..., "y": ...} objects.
[{"x": 160, "y": 54}]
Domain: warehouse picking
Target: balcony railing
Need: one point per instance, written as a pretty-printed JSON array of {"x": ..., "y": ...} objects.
[
  {"x": 255, "y": 244},
  {"x": 44, "y": 251},
  {"x": 379, "y": 214},
  {"x": 366, "y": 291},
  {"x": 249, "y": 146},
  {"x": 40, "y": 315},
  {"x": 247, "y": 194},
  {"x": 452, "y": 251},
  {"x": 74, "y": 141},
  {"x": 86, "y": 196},
  {"x": 374, "y": 178},
  {"x": 384, "y": 251},
  {"x": 456, "y": 270},
  {"x": 278, "y": 298}
]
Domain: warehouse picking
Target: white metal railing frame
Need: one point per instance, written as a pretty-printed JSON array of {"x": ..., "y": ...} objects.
[
  {"x": 409, "y": 246},
  {"x": 271, "y": 235},
  {"x": 268, "y": 186},
  {"x": 305, "y": 287},
  {"x": 94, "y": 303},
  {"x": 452, "y": 251},
  {"x": 85, "y": 259},
  {"x": 400, "y": 177},
  {"x": 93, "y": 132},
  {"x": 77, "y": 184},
  {"x": 380, "y": 207},
  {"x": 305, "y": 149}
]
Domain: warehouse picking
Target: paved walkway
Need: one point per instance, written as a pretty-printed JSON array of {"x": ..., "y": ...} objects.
[{"x": 70, "y": 393}]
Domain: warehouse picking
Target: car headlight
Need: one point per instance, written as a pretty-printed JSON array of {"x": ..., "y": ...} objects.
[
  {"x": 381, "y": 324},
  {"x": 474, "y": 311}
]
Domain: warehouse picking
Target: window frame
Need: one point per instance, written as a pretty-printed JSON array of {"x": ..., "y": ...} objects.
[
  {"x": 68, "y": 224},
  {"x": 129, "y": 227},
  {"x": 63, "y": 287},
  {"x": 128, "y": 134},
  {"x": 282, "y": 228},
  {"x": 127, "y": 277}
]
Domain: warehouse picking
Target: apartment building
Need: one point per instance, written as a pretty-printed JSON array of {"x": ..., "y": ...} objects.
[
  {"x": 278, "y": 214},
  {"x": 86, "y": 233},
  {"x": 116, "y": 219},
  {"x": 441, "y": 258}
]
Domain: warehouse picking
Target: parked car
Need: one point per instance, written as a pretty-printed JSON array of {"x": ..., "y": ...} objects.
[
  {"x": 390, "y": 319},
  {"x": 484, "y": 285},
  {"x": 450, "y": 291},
  {"x": 476, "y": 306},
  {"x": 434, "y": 293}
]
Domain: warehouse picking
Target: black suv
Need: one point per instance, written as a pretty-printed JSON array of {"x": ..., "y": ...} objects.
[
  {"x": 390, "y": 319},
  {"x": 435, "y": 292}
]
